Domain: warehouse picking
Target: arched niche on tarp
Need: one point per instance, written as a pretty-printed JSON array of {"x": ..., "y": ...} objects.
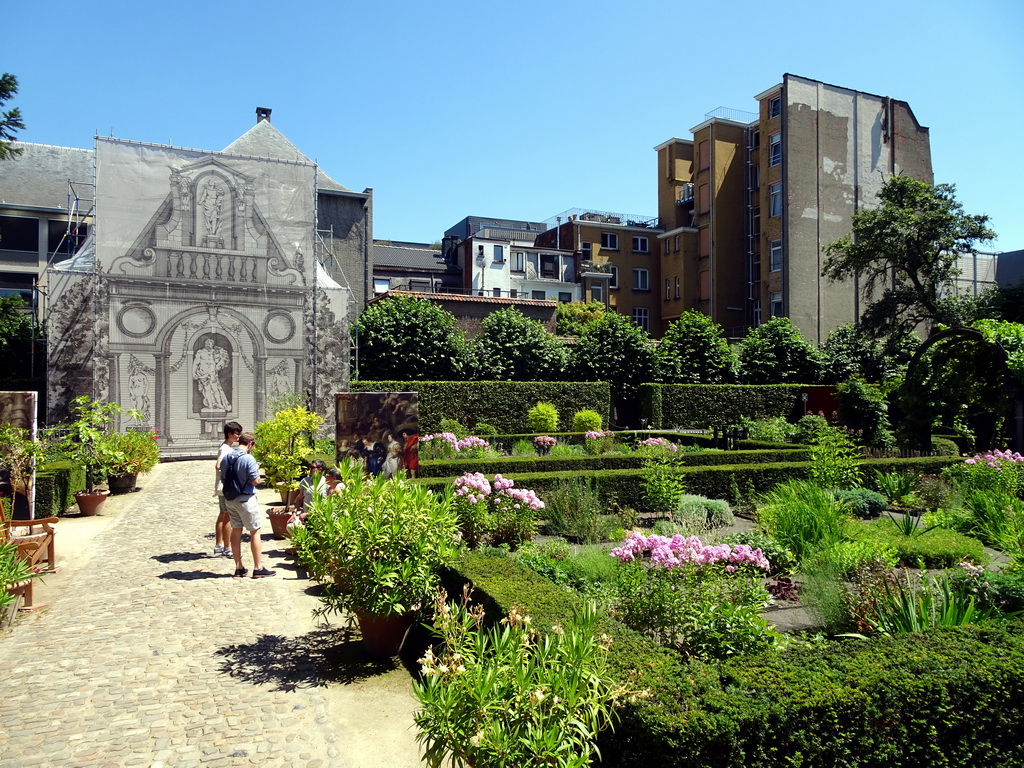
[{"x": 1011, "y": 383}]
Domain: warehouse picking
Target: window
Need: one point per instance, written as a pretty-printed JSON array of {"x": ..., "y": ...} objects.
[
  {"x": 640, "y": 244},
  {"x": 677, "y": 243},
  {"x": 640, "y": 280},
  {"x": 513, "y": 293},
  {"x": 538, "y": 295},
  {"x": 499, "y": 254},
  {"x": 549, "y": 266},
  {"x": 381, "y": 285},
  {"x": 704, "y": 155},
  {"x": 776, "y": 304},
  {"x": 610, "y": 241},
  {"x": 755, "y": 313},
  {"x": 776, "y": 256},
  {"x": 564, "y": 296},
  {"x": 20, "y": 233},
  {"x": 775, "y": 199},
  {"x": 755, "y": 224},
  {"x": 586, "y": 250},
  {"x": 496, "y": 291},
  {"x": 775, "y": 107},
  {"x": 615, "y": 278},
  {"x": 596, "y": 291},
  {"x": 642, "y": 317},
  {"x": 518, "y": 261},
  {"x": 755, "y": 141},
  {"x": 775, "y": 149},
  {"x": 704, "y": 198},
  {"x": 668, "y": 289},
  {"x": 677, "y": 287},
  {"x": 755, "y": 176},
  {"x": 668, "y": 250}
]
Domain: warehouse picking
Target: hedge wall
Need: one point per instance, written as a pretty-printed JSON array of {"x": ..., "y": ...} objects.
[
  {"x": 56, "y": 485},
  {"x": 948, "y": 697},
  {"x": 707, "y": 406},
  {"x": 503, "y": 404}
]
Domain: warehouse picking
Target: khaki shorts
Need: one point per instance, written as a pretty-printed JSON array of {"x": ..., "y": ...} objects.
[{"x": 244, "y": 512}]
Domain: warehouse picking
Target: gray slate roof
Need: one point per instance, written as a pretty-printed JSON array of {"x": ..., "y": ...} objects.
[
  {"x": 408, "y": 258},
  {"x": 39, "y": 175},
  {"x": 264, "y": 140}
]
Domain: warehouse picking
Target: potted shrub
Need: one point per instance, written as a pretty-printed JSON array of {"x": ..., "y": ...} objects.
[
  {"x": 132, "y": 453},
  {"x": 88, "y": 443},
  {"x": 284, "y": 444},
  {"x": 378, "y": 545}
]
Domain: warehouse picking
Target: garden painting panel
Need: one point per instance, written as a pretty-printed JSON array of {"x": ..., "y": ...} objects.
[
  {"x": 18, "y": 411},
  {"x": 379, "y": 429}
]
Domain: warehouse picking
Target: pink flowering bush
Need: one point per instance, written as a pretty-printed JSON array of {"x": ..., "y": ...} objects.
[
  {"x": 494, "y": 512},
  {"x": 445, "y": 445},
  {"x": 596, "y": 442},
  {"x": 702, "y": 599},
  {"x": 658, "y": 444},
  {"x": 992, "y": 471}
]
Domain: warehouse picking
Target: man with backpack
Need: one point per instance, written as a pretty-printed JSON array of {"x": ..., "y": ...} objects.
[{"x": 240, "y": 474}]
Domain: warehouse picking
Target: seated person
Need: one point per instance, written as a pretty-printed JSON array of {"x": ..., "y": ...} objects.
[{"x": 308, "y": 483}]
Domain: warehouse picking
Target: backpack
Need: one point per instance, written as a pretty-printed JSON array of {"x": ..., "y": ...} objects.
[{"x": 232, "y": 488}]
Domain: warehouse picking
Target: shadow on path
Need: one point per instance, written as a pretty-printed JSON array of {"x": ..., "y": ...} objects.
[
  {"x": 192, "y": 575},
  {"x": 177, "y": 557},
  {"x": 313, "y": 660}
]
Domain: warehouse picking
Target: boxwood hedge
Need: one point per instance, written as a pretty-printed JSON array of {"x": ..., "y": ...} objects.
[
  {"x": 706, "y": 406},
  {"x": 56, "y": 485}
]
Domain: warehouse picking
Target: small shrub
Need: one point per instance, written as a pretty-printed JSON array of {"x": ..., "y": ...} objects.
[
  {"x": 710, "y": 513},
  {"x": 781, "y": 559},
  {"x": 483, "y": 429},
  {"x": 940, "y": 548},
  {"x": 803, "y": 517},
  {"x": 772, "y": 430},
  {"x": 524, "y": 448},
  {"x": 943, "y": 446},
  {"x": 586, "y": 421},
  {"x": 543, "y": 417},
  {"x": 808, "y": 427},
  {"x": 454, "y": 427},
  {"x": 494, "y": 513},
  {"x": 862, "y": 502},
  {"x": 835, "y": 461},
  {"x": 574, "y": 508},
  {"x": 933, "y": 492},
  {"x": 562, "y": 449},
  {"x": 897, "y": 486},
  {"x": 596, "y": 442}
]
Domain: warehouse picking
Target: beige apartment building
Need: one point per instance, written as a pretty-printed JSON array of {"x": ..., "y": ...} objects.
[{"x": 748, "y": 203}]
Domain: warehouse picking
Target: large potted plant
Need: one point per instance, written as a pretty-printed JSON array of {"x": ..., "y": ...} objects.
[
  {"x": 284, "y": 444},
  {"x": 377, "y": 546},
  {"x": 87, "y": 441},
  {"x": 132, "y": 453}
]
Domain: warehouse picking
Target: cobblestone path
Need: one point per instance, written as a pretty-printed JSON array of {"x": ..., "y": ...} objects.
[{"x": 155, "y": 656}]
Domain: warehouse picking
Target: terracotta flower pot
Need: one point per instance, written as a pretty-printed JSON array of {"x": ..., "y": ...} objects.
[
  {"x": 279, "y": 522},
  {"x": 91, "y": 503},
  {"x": 383, "y": 636}
]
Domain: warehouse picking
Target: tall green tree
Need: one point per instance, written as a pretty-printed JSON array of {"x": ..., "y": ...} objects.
[
  {"x": 614, "y": 349},
  {"x": 513, "y": 347},
  {"x": 777, "y": 353},
  {"x": 849, "y": 351},
  {"x": 573, "y": 317},
  {"x": 10, "y": 120},
  {"x": 22, "y": 342},
  {"x": 408, "y": 338},
  {"x": 904, "y": 252},
  {"x": 694, "y": 350}
]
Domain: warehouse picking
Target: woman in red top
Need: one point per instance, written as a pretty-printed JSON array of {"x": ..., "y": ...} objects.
[{"x": 410, "y": 452}]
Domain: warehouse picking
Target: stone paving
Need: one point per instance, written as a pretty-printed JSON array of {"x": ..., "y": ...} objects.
[{"x": 155, "y": 656}]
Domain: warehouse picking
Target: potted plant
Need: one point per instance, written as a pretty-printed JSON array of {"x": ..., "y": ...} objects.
[
  {"x": 18, "y": 455},
  {"x": 132, "y": 453},
  {"x": 284, "y": 444},
  {"x": 88, "y": 443},
  {"x": 378, "y": 545},
  {"x": 15, "y": 574}
]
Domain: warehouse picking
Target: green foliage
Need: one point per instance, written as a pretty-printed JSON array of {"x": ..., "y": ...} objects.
[
  {"x": 781, "y": 559},
  {"x": 808, "y": 427},
  {"x": 849, "y": 352},
  {"x": 803, "y": 517},
  {"x": 284, "y": 444},
  {"x": 10, "y": 120},
  {"x": 940, "y": 548},
  {"x": 543, "y": 418},
  {"x": 861, "y": 501},
  {"x": 86, "y": 440},
  {"x": 705, "y": 406},
  {"x": 134, "y": 452},
  {"x": 506, "y": 696},
  {"x": 777, "y": 353},
  {"x": 707, "y": 513},
  {"x": 485, "y": 430},
  {"x": 694, "y": 350},
  {"x": 409, "y": 337},
  {"x": 574, "y": 508},
  {"x": 616, "y": 350},
  {"x": 774, "y": 429},
  {"x": 573, "y": 318},
  {"x": 661, "y": 482},
  {"x": 912, "y": 605},
  {"x": 453, "y": 427},
  {"x": 864, "y": 409},
  {"x": 587, "y": 420},
  {"x": 503, "y": 404},
  {"x": 897, "y": 486},
  {"x": 513, "y": 347},
  {"x": 835, "y": 461}
]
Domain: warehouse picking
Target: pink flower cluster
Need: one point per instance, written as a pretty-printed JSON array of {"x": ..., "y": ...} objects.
[
  {"x": 455, "y": 444},
  {"x": 474, "y": 486},
  {"x": 683, "y": 550},
  {"x": 521, "y": 496},
  {"x": 992, "y": 458},
  {"x": 661, "y": 442},
  {"x": 592, "y": 435},
  {"x": 544, "y": 441}
]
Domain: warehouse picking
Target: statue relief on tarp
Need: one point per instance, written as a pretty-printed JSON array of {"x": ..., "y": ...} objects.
[{"x": 211, "y": 374}]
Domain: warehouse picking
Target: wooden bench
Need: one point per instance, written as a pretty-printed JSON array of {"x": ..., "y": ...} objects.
[{"x": 35, "y": 542}]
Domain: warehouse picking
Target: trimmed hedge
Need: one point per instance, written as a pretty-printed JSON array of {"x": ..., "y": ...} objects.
[
  {"x": 507, "y": 464},
  {"x": 56, "y": 485},
  {"x": 710, "y": 406},
  {"x": 625, "y": 486},
  {"x": 503, "y": 404},
  {"x": 948, "y": 697}
]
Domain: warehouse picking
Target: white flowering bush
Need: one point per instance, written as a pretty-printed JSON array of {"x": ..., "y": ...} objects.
[
  {"x": 494, "y": 512},
  {"x": 510, "y": 696}
]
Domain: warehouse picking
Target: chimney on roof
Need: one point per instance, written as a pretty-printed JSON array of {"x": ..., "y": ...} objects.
[{"x": 262, "y": 113}]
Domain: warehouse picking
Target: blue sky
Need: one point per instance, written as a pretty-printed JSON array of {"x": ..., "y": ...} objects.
[{"x": 517, "y": 110}]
